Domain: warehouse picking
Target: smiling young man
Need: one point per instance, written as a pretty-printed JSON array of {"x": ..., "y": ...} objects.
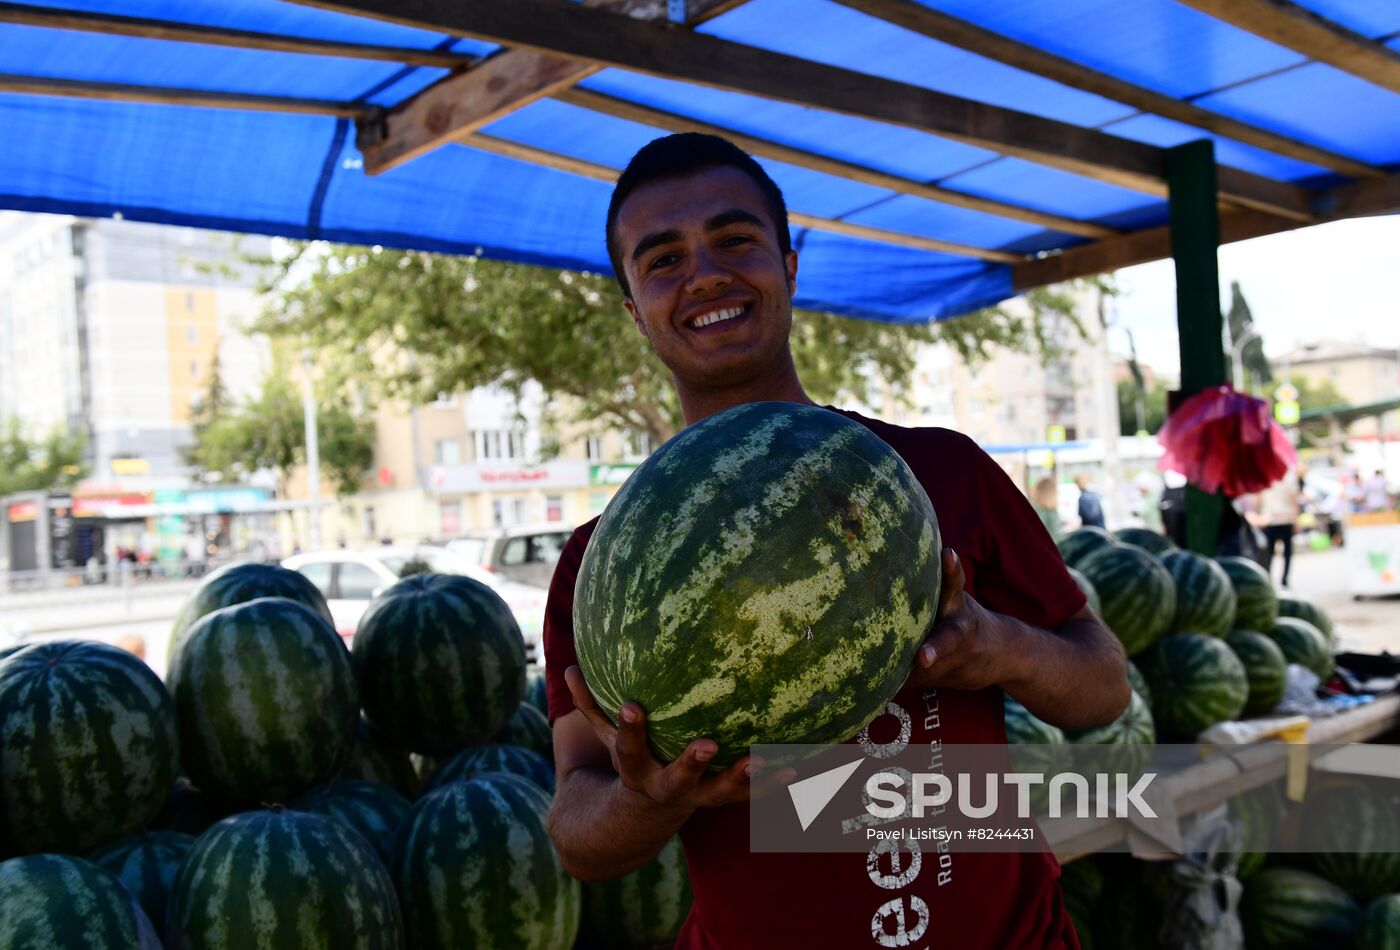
[{"x": 699, "y": 240}]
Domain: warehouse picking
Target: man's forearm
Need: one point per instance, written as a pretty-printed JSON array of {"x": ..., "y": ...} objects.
[
  {"x": 603, "y": 830},
  {"x": 1074, "y": 677}
]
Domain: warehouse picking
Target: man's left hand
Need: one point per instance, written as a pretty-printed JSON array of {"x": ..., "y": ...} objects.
[{"x": 970, "y": 647}]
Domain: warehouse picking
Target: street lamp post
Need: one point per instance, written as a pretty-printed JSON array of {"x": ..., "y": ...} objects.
[
  {"x": 313, "y": 454},
  {"x": 1237, "y": 357}
]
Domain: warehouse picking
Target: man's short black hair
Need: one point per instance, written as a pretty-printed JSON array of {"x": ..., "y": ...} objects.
[{"x": 684, "y": 154}]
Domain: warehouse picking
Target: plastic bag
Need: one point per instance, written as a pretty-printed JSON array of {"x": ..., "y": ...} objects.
[
  {"x": 1202, "y": 909},
  {"x": 1224, "y": 440}
]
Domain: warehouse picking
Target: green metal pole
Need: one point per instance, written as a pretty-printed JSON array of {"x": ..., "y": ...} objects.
[{"x": 1195, "y": 235}]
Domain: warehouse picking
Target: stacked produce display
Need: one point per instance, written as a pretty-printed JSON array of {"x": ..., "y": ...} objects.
[{"x": 265, "y": 797}]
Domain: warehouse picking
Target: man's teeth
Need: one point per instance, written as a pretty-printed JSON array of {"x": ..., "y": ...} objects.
[{"x": 717, "y": 316}]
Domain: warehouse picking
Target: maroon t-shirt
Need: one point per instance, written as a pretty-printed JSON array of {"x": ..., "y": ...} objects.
[{"x": 965, "y": 900}]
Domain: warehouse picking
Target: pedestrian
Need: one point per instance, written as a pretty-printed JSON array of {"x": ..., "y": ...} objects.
[
  {"x": 1090, "y": 506},
  {"x": 1045, "y": 498},
  {"x": 1375, "y": 496},
  {"x": 697, "y": 229},
  {"x": 1276, "y": 511}
]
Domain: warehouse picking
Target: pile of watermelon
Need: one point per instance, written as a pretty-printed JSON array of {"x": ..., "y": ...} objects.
[{"x": 266, "y": 794}]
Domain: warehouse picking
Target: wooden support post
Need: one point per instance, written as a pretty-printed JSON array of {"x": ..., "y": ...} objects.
[{"x": 1195, "y": 234}]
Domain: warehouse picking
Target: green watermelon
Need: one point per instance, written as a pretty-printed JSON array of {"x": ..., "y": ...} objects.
[
  {"x": 146, "y": 866},
  {"x": 1196, "y": 681},
  {"x": 1091, "y": 595},
  {"x": 1355, "y": 829},
  {"x": 1380, "y": 926},
  {"x": 1259, "y": 812},
  {"x": 1291, "y": 605},
  {"x": 529, "y": 730},
  {"x": 641, "y": 910},
  {"x": 1153, "y": 542},
  {"x": 1082, "y": 542},
  {"x": 1132, "y": 727},
  {"x": 1256, "y": 603},
  {"x": 1129, "y": 915},
  {"x": 188, "y": 810},
  {"x": 1205, "y": 599},
  {"x": 278, "y": 878},
  {"x": 1264, "y": 667},
  {"x": 441, "y": 663},
  {"x": 55, "y": 902},
  {"x": 238, "y": 584},
  {"x": 1023, "y": 728},
  {"x": 375, "y": 811},
  {"x": 1288, "y": 909},
  {"x": 1304, "y": 644},
  {"x": 1139, "y": 683},
  {"x": 765, "y": 577},
  {"x": 536, "y": 693},
  {"x": 12, "y": 649},
  {"x": 376, "y": 760},
  {"x": 510, "y": 759},
  {"x": 508, "y": 890},
  {"x": 265, "y": 698},
  {"x": 1139, "y": 598},
  {"x": 1082, "y": 884},
  {"x": 88, "y": 747}
]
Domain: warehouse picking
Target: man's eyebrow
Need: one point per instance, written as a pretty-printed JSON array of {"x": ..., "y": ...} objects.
[
  {"x": 652, "y": 240},
  {"x": 733, "y": 216}
]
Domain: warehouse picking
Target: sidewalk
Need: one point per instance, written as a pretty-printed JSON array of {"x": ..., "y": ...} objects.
[{"x": 1366, "y": 626}]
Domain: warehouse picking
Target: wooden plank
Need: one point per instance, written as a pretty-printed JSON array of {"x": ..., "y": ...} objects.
[
  {"x": 601, "y": 38},
  {"x": 463, "y": 103},
  {"x": 927, "y": 21},
  {"x": 219, "y": 36},
  {"x": 166, "y": 95},
  {"x": 577, "y": 166},
  {"x": 1303, "y": 31},
  {"x": 674, "y": 122}
]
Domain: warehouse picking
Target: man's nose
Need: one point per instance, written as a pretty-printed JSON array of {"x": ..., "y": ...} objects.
[{"x": 707, "y": 274}]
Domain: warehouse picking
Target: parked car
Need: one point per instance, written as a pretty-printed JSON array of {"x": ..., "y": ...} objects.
[
  {"x": 524, "y": 554},
  {"x": 349, "y": 580}
]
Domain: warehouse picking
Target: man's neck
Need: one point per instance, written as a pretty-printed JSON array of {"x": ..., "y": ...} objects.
[{"x": 698, "y": 404}]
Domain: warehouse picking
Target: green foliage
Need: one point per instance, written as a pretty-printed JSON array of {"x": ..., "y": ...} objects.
[
  {"x": 413, "y": 566},
  {"x": 1317, "y": 394},
  {"x": 422, "y": 324},
  {"x": 1240, "y": 322},
  {"x": 1154, "y": 406},
  {"x": 52, "y": 462}
]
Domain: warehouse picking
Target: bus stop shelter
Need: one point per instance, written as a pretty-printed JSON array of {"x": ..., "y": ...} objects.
[{"x": 938, "y": 156}]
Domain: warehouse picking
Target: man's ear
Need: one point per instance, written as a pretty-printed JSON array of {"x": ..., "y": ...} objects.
[
  {"x": 790, "y": 265},
  {"x": 636, "y": 317}
]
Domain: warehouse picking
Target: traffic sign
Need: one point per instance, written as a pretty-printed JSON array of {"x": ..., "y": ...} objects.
[
  {"x": 1055, "y": 433},
  {"x": 1287, "y": 412}
]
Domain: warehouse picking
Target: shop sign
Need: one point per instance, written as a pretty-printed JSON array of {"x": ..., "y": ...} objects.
[
  {"x": 609, "y": 474},
  {"x": 22, "y": 511}
]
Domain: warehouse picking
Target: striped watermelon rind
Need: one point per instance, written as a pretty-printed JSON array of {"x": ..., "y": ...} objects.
[
  {"x": 1304, "y": 644},
  {"x": 1153, "y": 542},
  {"x": 146, "y": 865},
  {"x": 189, "y": 810},
  {"x": 1082, "y": 542},
  {"x": 1260, "y": 812},
  {"x": 441, "y": 663},
  {"x": 1137, "y": 592},
  {"x": 1289, "y": 909},
  {"x": 266, "y": 701},
  {"x": 641, "y": 910},
  {"x": 508, "y": 890},
  {"x": 1256, "y": 601},
  {"x": 1264, "y": 666},
  {"x": 1090, "y": 594},
  {"x": 1196, "y": 681},
  {"x": 1023, "y": 728},
  {"x": 291, "y": 878},
  {"x": 89, "y": 743},
  {"x": 536, "y": 692},
  {"x": 238, "y": 584},
  {"x": 1291, "y": 605},
  {"x": 479, "y": 760},
  {"x": 528, "y": 729},
  {"x": 1139, "y": 683},
  {"x": 1354, "y": 831},
  {"x": 1205, "y": 598},
  {"x": 58, "y": 901},
  {"x": 765, "y": 577},
  {"x": 374, "y": 759},
  {"x": 1380, "y": 925},
  {"x": 372, "y": 810}
]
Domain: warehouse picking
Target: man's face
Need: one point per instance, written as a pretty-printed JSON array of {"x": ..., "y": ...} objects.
[{"x": 710, "y": 288}]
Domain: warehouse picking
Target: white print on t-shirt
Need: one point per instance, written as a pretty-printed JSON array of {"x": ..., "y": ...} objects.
[{"x": 902, "y": 921}]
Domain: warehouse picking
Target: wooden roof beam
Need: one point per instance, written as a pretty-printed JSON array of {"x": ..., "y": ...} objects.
[
  {"x": 578, "y": 166},
  {"x": 1315, "y": 37},
  {"x": 217, "y": 36},
  {"x": 600, "y": 38},
  {"x": 463, "y": 103},
  {"x": 670, "y": 121},
  {"x": 174, "y": 96},
  {"x": 932, "y": 23}
]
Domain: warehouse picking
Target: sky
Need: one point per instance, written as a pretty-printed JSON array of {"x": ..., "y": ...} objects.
[{"x": 1333, "y": 281}]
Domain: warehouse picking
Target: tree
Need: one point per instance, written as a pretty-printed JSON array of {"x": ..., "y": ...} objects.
[
  {"x": 52, "y": 462},
  {"x": 1317, "y": 394},
  {"x": 1240, "y": 322},
  {"x": 1152, "y": 399},
  {"x": 422, "y": 324}
]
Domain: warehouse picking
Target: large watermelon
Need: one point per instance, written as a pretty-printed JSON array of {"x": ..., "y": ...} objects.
[
  {"x": 1260, "y": 812},
  {"x": 1090, "y": 594},
  {"x": 373, "y": 810},
  {"x": 265, "y": 698},
  {"x": 1139, "y": 683},
  {"x": 188, "y": 810},
  {"x": 441, "y": 663},
  {"x": 1196, "y": 682},
  {"x": 1304, "y": 644},
  {"x": 1264, "y": 667},
  {"x": 528, "y": 729},
  {"x": 638, "y": 911},
  {"x": 278, "y": 878},
  {"x": 146, "y": 866},
  {"x": 377, "y": 760},
  {"x": 477, "y": 760},
  {"x": 1355, "y": 829},
  {"x": 536, "y": 691},
  {"x": 765, "y": 577},
  {"x": 1023, "y": 728},
  {"x": 1153, "y": 542},
  {"x": 1132, "y": 727},
  {"x": 238, "y": 584},
  {"x": 508, "y": 891},
  {"x": 88, "y": 746},
  {"x": 1380, "y": 926},
  {"x": 1082, "y": 542},
  {"x": 55, "y": 902},
  {"x": 1205, "y": 599},
  {"x": 1288, "y": 909},
  {"x": 1082, "y": 884},
  {"x": 1256, "y": 603},
  {"x": 1291, "y": 605},
  {"x": 1139, "y": 598}
]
